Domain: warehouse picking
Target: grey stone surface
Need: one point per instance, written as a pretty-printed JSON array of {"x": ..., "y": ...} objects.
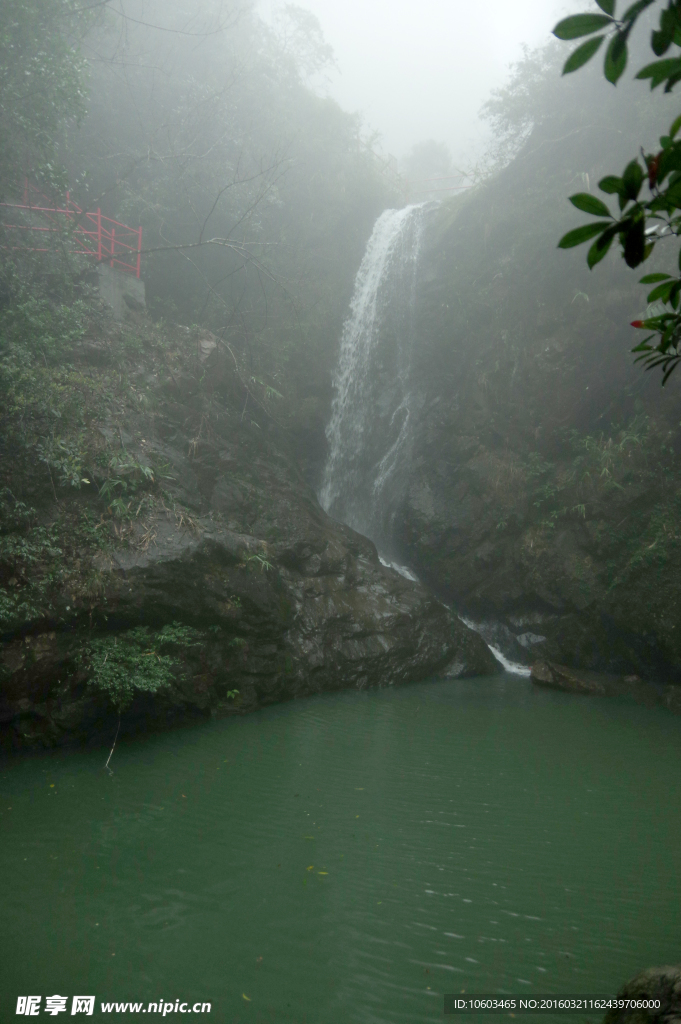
[
  {"x": 290, "y": 602},
  {"x": 122, "y": 291},
  {"x": 661, "y": 984}
]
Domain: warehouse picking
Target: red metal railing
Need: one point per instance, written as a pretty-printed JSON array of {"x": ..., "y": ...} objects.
[{"x": 96, "y": 234}]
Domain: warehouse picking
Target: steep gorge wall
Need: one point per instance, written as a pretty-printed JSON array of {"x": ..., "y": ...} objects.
[
  {"x": 543, "y": 489},
  {"x": 187, "y": 543}
]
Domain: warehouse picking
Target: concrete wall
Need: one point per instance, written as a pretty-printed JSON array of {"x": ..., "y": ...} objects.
[{"x": 123, "y": 292}]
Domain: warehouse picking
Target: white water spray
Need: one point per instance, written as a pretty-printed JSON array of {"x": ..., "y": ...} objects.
[
  {"x": 370, "y": 426},
  {"x": 373, "y": 412}
]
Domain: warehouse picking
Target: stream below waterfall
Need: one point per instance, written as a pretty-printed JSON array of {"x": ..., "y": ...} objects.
[{"x": 350, "y": 857}]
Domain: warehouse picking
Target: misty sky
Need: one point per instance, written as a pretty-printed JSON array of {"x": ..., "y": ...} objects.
[{"x": 419, "y": 69}]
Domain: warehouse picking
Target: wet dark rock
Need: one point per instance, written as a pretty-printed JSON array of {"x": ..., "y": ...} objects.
[
  {"x": 560, "y": 677},
  {"x": 655, "y": 983},
  {"x": 288, "y": 601},
  {"x": 541, "y": 490},
  {"x": 601, "y": 684}
]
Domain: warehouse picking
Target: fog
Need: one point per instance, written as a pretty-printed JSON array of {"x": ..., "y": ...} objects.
[
  {"x": 317, "y": 375},
  {"x": 420, "y": 70}
]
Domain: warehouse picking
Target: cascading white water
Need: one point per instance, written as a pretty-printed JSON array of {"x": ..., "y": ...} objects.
[
  {"x": 370, "y": 426},
  {"x": 376, "y": 402}
]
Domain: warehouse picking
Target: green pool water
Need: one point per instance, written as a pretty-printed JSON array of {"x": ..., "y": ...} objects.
[{"x": 348, "y": 858}]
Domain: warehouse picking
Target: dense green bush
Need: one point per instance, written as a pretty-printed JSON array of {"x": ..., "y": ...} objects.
[{"x": 137, "y": 661}]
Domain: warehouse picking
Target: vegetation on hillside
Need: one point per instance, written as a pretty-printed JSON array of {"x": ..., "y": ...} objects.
[
  {"x": 256, "y": 194},
  {"x": 42, "y": 86},
  {"x": 544, "y": 476},
  {"x": 256, "y": 197}
]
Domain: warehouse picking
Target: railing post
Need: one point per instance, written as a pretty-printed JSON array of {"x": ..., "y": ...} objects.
[{"x": 105, "y": 251}]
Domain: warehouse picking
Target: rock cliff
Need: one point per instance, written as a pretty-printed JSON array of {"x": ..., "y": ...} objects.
[
  {"x": 188, "y": 540},
  {"x": 542, "y": 490}
]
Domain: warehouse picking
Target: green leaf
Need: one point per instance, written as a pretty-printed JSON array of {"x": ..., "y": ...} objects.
[
  {"x": 657, "y": 204},
  {"x": 672, "y": 80},
  {"x": 669, "y": 371},
  {"x": 582, "y": 54},
  {"x": 616, "y": 58},
  {"x": 632, "y": 13},
  {"x": 643, "y": 346},
  {"x": 632, "y": 179},
  {"x": 675, "y": 126},
  {"x": 672, "y": 196},
  {"x": 590, "y": 204},
  {"x": 634, "y": 243},
  {"x": 660, "y": 70},
  {"x": 653, "y": 278},
  {"x": 611, "y": 184},
  {"x": 599, "y": 249},
  {"x": 660, "y": 43},
  {"x": 670, "y": 160},
  {"x": 580, "y": 25},
  {"x": 662, "y": 39},
  {"x": 583, "y": 234},
  {"x": 661, "y": 292},
  {"x": 607, "y": 5}
]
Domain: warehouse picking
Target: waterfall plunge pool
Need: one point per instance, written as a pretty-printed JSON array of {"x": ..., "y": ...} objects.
[{"x": 350, "y": 857}]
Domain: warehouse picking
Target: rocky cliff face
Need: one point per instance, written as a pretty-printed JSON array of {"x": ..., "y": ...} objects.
[
  {"x": 545, "y": 491},
  {"x": 542, "y": 489},
  {"x": 192, "y": 522}
]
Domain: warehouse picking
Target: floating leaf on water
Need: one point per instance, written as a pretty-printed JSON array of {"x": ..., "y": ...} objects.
[
  {"x": 244, "y": 996},
  {"x": 322, "y": 872},
  {"x": 310, "y": 867}
]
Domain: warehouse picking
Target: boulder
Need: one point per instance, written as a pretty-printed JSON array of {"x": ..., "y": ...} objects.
[
  {"x": 285, "y": 601},
  {"x": 560, "y": 677},
  {"x": 655, "y": 983},
  {"x": 602, "y": 684}
]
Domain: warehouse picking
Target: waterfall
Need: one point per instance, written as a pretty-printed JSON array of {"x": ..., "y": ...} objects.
[
  {"x": 369, "y": 432},
  {"x": 376, "y": 402}
]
